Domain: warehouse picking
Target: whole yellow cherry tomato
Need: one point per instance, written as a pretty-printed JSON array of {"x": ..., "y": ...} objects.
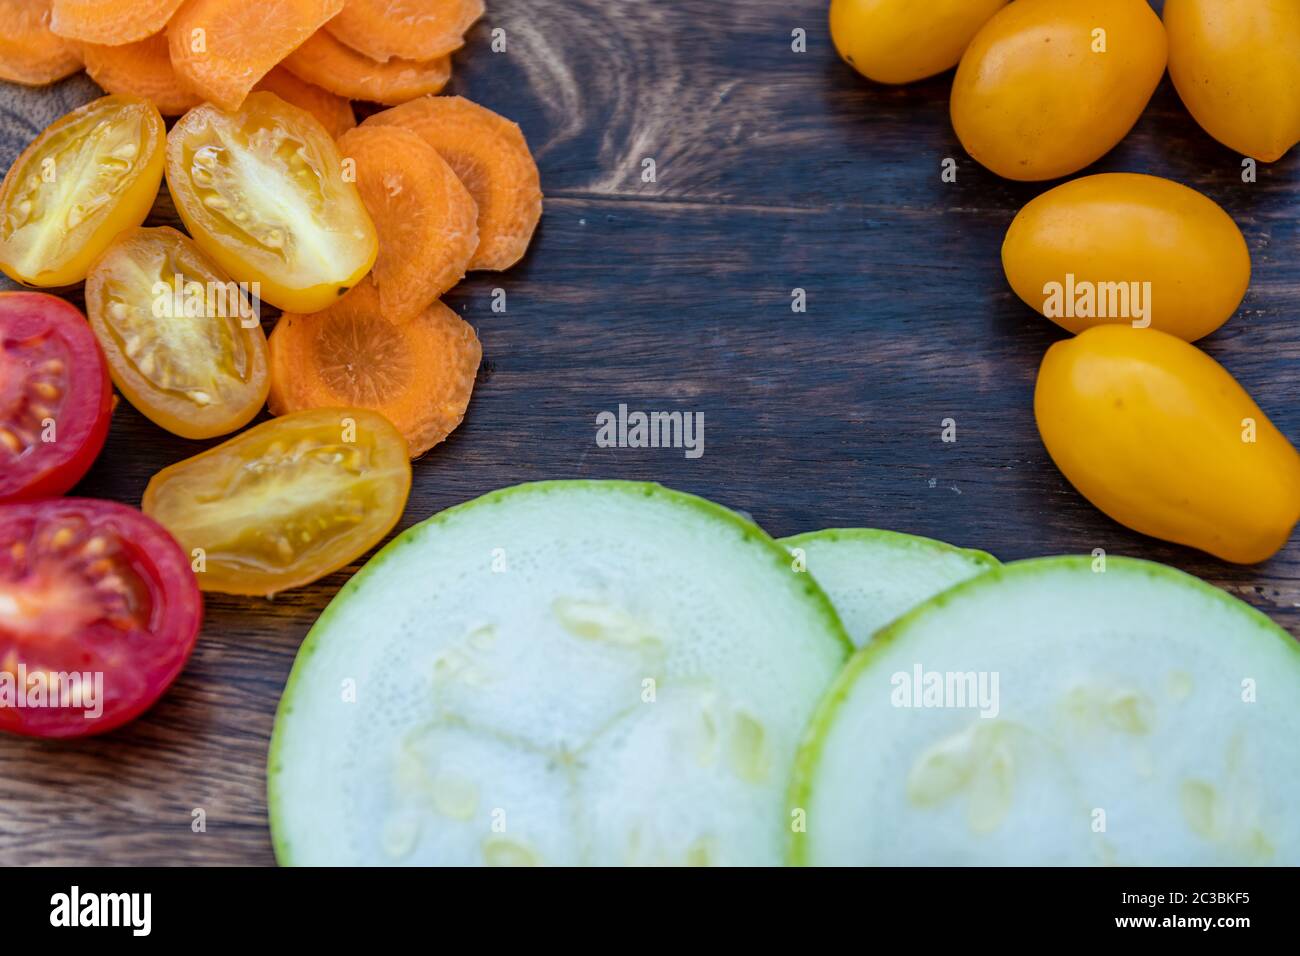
[
  {"x": 1122, "y": 247},
  {"x": 1049, "y": 86},
  {"x": 899, "y": 41},
  {"x": 90, "y": 175},
  {"x": 265, "y": 193},
  {"x": 1160, "y": 437},
  {"x": 1236, "y": 64}
]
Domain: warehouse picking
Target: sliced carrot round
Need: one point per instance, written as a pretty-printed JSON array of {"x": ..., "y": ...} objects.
[
  {"x": 143, "y": 69},
  {"x": 419, "y": 373},
  {"x": 30, "y": 53},
  {"x": 340, "y": 69},
  {"x": 406, "y": 29},
  {"x": 111, "y": 22},
  {"x": 424, "y": 216},
  {"x": 334, "y": 112},
  {"x": 491, "y": 157},
  {"x": 221, "y": 48}
]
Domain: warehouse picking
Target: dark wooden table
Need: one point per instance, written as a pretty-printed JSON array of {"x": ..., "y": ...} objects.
[{"x": 775, "y": 170}]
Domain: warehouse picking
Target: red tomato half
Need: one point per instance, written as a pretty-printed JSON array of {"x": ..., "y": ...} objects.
[
  {"x": 96, "y": 600},
  {"x": 55, "y": 396}
]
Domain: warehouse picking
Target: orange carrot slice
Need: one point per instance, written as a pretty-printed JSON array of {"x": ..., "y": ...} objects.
[
  {"x": 30, "y": 53},
  {"x": 221, "y": 48},
  {"x": 334, "y": 112},
  {"x": 111, "y": 22},
  {"x": 419, "y": 373},
  {"x": 406, "y": 29},
  {"x": 340, "y": 69},
  {"x": 491, "y": 157},
  {"x": 143, "y": 68},
  {"x": 423, "y": 214}
]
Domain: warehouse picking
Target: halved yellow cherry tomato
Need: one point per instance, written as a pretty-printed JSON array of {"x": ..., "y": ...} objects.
[
  {"x": 286, "y": 502},
  {"x": 264, "y": 192},
  {"x": 90, "y": 175},
  {"x": 184, "y": 342}
]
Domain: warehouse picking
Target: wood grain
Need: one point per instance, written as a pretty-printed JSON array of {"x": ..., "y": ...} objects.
[{"x": 775, "y": 170}]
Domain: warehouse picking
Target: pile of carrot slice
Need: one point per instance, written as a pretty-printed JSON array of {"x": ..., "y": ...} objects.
[
  {"x": 450, "y": 186},
  {"x": 217, "y": 51}
]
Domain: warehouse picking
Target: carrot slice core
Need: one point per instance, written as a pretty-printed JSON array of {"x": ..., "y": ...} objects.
[{"x": 418, "y": 373}]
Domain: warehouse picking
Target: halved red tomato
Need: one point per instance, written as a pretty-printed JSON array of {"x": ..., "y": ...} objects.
[
  {"x": 55, "y": 396},
  {"x": 99, "y": 611}
]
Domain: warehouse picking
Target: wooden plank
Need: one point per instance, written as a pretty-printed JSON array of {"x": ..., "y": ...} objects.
[{"x": 775, "y": 170}]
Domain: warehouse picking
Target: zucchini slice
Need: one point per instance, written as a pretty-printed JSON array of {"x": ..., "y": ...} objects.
[{"x": 560, "y": 673}]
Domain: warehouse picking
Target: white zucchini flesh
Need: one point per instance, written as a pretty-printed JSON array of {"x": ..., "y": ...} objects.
[
  {"x": 874, "y": 576},
  {"x": 560, "y": 673},
  {"x": 1142, "y": 717}
]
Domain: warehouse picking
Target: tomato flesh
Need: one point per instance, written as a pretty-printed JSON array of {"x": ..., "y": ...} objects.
[
  {"x": 90, "y": 175},
  {"x": 263, "y": 191},
  {"x": 55, "y": 396},
  {"x": 286, "y": 502},
  {"x": 183, "y": 341},
  {"x": 92, "y": 594}
]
